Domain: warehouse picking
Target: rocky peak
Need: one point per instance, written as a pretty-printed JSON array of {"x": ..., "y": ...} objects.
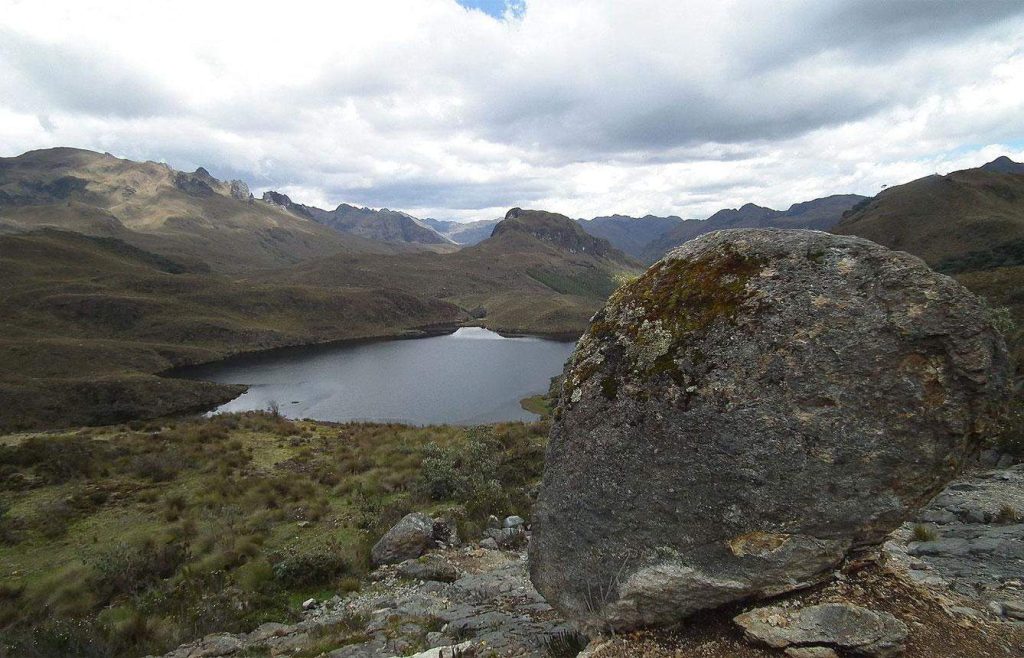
[
  {"x": 240, "y": 191},
  {"x": 554, "y": 229}
]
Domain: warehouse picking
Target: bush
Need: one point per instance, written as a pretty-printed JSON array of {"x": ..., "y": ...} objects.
[
  {"x": 57, "y": 459},
  {"x": 125, "y": 569},
  {"x": 311, "y": 568}
]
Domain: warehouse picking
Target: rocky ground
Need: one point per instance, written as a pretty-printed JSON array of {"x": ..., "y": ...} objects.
[
  {"x": 490, "y": 607},
  {"x": 949, "y": 584}
]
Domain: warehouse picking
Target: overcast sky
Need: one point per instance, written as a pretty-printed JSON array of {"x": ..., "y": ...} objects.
[{"x": 585, "y": 107}]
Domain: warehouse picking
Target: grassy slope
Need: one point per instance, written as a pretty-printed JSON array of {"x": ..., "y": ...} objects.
[
  {"x": 86, "y": 322},
  {"x": 128, "y": 540}
]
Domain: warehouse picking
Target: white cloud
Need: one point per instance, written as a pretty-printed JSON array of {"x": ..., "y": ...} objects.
[{"x": 581, "y": 106}]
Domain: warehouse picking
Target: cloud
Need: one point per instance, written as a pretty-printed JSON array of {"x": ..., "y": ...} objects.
[{"x": 459, "y": 109}]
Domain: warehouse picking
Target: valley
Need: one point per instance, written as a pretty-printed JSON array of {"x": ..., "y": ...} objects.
[{"x": 121, "y": 511}]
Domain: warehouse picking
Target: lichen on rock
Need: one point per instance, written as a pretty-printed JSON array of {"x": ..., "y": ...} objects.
[{"x": 751, "y": 408}]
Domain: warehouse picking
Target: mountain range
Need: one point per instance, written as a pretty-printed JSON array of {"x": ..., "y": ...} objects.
[
  {"x": 648, "y": 238},
  {"x": 384, "y": 225},
  {"x": 115, "y": 271}
]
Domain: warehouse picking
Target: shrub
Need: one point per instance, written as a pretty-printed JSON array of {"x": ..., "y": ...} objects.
[
  {"x": 310, "y": 568},
  {"x": 126, "y": 569}
]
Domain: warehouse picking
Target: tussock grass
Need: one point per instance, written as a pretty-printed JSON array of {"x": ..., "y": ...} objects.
[{"x": 131, "y": 539}]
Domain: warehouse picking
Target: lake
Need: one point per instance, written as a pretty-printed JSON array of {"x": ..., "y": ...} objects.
[{"x": 469, "y": 377}]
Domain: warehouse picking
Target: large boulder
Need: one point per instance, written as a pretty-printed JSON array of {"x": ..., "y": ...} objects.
[
  {"x": 753, "y": 407},
  {"x": 406, "y": 540}
]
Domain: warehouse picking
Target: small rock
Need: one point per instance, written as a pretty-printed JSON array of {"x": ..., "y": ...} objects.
[
  {"x": 428, "y": 567},
  {"x": 988, "y": 458},
  {"x": 489, "y": 544},
  {"x": 1013, "y": 610},
  {"x": 811, "y": 652},
  {"x": 508, "y": 539},
  {"x": 309, "y": 604},
  {"x": 450, "y": 651},
  {"x": 841, "y": 625},
  {"x": 408, "y": 539},
  {"x": 514, "y": 521},
  {"x": 996, "y": 608}
]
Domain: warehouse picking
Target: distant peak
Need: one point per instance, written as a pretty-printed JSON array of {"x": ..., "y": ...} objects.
[
  {"x": 1004, "y": 165},
  {"x": 513, "y": 213},
  {"x": 276, "y": 198}
]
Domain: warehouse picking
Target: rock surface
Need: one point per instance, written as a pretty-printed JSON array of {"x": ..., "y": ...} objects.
[
  {"x": 974, "y": 564},
  {"x": 406, "y": 540},
  {"x": 428, "y": 567},
  {"x": 744, "y": 413},
  {"x": 839, "y": 625},
  {"x": 490, "y": 610}
]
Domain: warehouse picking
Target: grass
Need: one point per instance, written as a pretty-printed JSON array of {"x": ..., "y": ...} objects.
[
  {"x": 1008, "y": 514},
  {"x": 922, "y": 532},
  {"x": 131, "y": 539}
]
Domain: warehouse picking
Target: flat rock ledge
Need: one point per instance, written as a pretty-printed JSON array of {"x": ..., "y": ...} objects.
[
  {"x": 826, "y": 626},
  {"x": 966, "y": 547}
]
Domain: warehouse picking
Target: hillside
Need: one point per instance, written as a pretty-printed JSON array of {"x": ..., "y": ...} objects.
[
  {"x": 818, "y": 214},
  {"x": 383, "y": 225},
  {"x": 538, "y": 273},
  {"x": 630, "y": 234},
  {"x": 969, "y": 224},
  {"x": 190, "y": 217},
  {"x": 89, "y": 321}
]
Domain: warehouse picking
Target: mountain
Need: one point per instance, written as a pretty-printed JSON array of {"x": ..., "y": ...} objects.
[
  {"x": 556, "y": 229},
  {"x": 539, "y": 272},
  {"x": 464, "y": 233},
  {"x": 88, "y": 323},
  {"x": 383, "y": 225},
  {"x": 1004, "y": 165},
  {"x": 941, "y": 218},
  {"x": 630, "y": 234},
  {"x": 819, "y": 214},
  {"x": 114, "y": 271},
  {"x": 969, "y": 224},
  {"x": 190, "y": 217}
]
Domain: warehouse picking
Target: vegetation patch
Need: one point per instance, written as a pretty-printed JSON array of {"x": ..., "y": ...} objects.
[
  {"x": 129, "y": 540},
  {"x": 1007, "y": 254}
]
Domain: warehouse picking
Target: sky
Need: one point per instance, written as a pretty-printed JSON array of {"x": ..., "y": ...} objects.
[{"x": 461, "y": 110}]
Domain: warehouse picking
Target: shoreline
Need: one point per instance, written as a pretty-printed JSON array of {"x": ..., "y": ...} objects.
[{"x": 193, "y": 372}]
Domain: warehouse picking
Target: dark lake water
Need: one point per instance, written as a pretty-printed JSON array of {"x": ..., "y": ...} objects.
[{"x": 469, "y": 377}]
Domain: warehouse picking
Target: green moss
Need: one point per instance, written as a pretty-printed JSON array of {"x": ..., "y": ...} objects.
[{"x": 682, "y": 297}]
